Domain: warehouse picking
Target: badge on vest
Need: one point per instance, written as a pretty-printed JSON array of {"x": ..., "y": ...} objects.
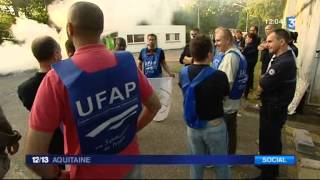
[{"x": 272, "y": 72}]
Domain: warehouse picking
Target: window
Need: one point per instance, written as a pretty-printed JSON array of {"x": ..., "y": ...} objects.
[
  {"x": 138, "y": 38},
  {"x": 130, "y": 38},
  {"x": 172, "y": 37},
  {"x": 135, "y": 38},
  {"x": 167, "y": 37},
  {"x": 177, "y": 36}
]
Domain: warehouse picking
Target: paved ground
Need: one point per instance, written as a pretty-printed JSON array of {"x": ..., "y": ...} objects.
[{"x": 166, "y": 137}]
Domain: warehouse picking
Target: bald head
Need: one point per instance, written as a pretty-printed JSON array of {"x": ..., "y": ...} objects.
[
  {"x": 45, "y": 48},
  {"x": 86, "y": 19},
  {"x": 223, "y": 39},
  {"x": 268, "y": 29}
]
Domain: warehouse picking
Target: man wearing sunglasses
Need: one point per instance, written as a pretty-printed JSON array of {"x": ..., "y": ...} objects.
[{"x": 185, "y": 57}]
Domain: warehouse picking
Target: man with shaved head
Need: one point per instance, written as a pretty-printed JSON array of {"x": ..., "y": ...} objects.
[
  {"x": 265, "y": 55},
  {"x": 101, "y": 98},
  {"x": 47, "y": 52},
  {"x": 278, "y": 87}
]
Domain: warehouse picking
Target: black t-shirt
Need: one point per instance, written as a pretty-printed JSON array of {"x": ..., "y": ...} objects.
[
  {"x": 279, "y": 82},
  {"x": 265, "y": 58},
  {"x": 185, "y": 52},
  {"x": 250, "y": 52},
  {"x": 27, "y": 90},
  {"x": 210, "y": 93}
]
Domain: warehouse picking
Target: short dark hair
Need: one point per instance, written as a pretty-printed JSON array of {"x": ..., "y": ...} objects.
[
  {"x": 120, "y": 43},
  {"x": 251, "y": 35},
  {"x": 153, "y": 35},
  {"x": 200, "y": 46},
  {"x": 239, "y": 31},
  {"x": 43, "y": 48},
  {"x": 69, "y": 46},
  {"x": 294, "y": 36},
  {"x": 87, "y": 18},
  {"x": 255, "y": 28},
  {"x": 282, "y": 34}
]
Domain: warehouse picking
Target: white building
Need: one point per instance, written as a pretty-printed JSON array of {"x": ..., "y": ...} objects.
[
  {"x": 307, "y": 24},
  {"x": 168, "y": 36}
]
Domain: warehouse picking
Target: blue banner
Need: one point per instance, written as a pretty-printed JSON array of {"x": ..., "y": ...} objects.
[
  {"x": 275, "y": 160},
  {"x": 157, "y": 159},
  {"x": 291, "y": 23}
]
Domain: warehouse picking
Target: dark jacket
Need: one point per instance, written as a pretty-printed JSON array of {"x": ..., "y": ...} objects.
[
  {"x": 279, "y": 82},
  {"x": 250, "y": 52},
  {"x": 7, "y": 135}
]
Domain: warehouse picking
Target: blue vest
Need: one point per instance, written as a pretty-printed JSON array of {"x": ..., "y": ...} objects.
[
  {"x": 151, "y": 63},
  {"x": 241, "y": 79},
  {"x": 105, "y": 104},
  {"x": 189, "y": 101}
]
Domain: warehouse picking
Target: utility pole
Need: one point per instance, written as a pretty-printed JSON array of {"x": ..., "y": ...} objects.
[{"x": 198, "y": 17}]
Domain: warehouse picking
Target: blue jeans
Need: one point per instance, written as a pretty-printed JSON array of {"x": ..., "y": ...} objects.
[{"x": 213, "y": 139}]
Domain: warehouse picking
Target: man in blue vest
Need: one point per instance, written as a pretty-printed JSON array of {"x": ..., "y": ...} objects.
[
  {"x": 152, "y": 59},
  {"x": 233, "y": 63},
  {"x": 204, "y": 90},
  {"x": 101, "y": 98}
]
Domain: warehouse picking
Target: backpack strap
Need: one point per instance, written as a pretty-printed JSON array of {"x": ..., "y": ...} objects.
[{"x": 205, "y": 72}]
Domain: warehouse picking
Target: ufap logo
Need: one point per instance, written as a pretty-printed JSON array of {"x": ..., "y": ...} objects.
[{"x": 291, "y": 23}]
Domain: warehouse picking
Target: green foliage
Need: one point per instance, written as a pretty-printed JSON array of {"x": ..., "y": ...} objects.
[
  {"x": 261, "y": 13},
  {"x": 5, "y": 24},
  {"x": 212, "y": 13},
  {"x": 31, "y": 9},
  {"x": 37, "y": 10},
  {"x": 229, "y": 13}
]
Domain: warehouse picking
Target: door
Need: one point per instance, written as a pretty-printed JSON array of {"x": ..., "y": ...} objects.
[{"x": 314, "y": 95}]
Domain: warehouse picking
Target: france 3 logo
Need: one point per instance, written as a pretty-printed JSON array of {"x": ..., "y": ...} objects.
[{"x": 40, "y": 159}]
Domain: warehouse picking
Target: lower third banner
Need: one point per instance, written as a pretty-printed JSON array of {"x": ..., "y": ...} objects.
[{"x": 162, "y": 159}]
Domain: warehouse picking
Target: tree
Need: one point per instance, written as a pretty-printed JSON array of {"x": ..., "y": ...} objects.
[
  {"x": 212, "y": 13},
  {"x": 262, "y": 12},
  {"x": 32, "y": 9}
]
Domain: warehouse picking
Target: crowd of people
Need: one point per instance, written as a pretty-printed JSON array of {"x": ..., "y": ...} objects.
[{"x": 72, "y": 112}]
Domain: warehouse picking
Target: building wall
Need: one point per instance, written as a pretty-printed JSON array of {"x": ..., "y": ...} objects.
[
  {"x": 308, "y": 26},
  {"x": 160, "y": 31}
]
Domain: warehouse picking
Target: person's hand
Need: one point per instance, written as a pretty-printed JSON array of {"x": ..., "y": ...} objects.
[
  {"x": 187, "y": 60},
  {"x": 12, "y": 149},
  {"x": 259, "y": 89},
  {"x": 262, "y": 46}
]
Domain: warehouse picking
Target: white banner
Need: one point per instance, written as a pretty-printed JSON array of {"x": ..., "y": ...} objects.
[{"x": 163, "y": 88}]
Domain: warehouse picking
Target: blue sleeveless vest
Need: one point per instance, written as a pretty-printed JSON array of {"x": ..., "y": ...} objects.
[
  {"x": 151, "y": 63},
  {"x": 189, "y": 101},
  {"x": 105, "y": 104},
  {"x": 241, "y": 79}
]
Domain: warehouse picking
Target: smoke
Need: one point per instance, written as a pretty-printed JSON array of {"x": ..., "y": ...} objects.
[
  {"x": 18, "y": 57},
  {"x": 118, "y": 15},
  {"x": 123, "y": 14}
]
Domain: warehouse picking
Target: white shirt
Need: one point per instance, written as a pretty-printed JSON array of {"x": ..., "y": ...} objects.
[{"x": 230, "y": 66}]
